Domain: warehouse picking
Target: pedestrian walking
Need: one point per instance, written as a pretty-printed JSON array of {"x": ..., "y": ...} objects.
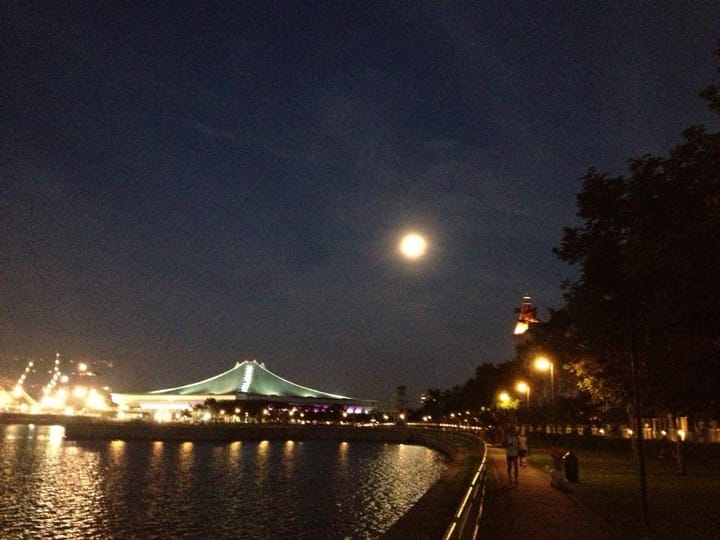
[
  {"x": 523, "y": 447},
  {"x": 512, "y": 451}
]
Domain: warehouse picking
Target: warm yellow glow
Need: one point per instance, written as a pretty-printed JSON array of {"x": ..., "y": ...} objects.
[
  {"x": 413, "y": 246},
  {"x": 542, "y": 363},
  {"x": 681, "y": 434},
  {"x": 80, "y": 392},
  {"x": 504, "y": 397},
  {"x": 520, "y": 328},
  {"x": 163, "y": 416},
  {"x": 522, "y": 387},
  {"x": 82, "y": 366},
  {"x": 17, "y": 391},
  {"x": 95, "y": 400}
]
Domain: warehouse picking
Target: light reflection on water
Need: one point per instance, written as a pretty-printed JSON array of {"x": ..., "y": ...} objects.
[{"x": 155, "y": 490}]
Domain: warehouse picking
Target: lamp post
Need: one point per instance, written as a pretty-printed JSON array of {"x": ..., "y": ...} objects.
[
  {"x": 524, "y": 388},
  {"x": 544, "y": 364}
]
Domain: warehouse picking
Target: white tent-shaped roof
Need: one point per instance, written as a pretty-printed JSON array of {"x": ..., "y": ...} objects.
[
  {"x": 247, "y": 380},
  {"x": 248, "y": 377}
]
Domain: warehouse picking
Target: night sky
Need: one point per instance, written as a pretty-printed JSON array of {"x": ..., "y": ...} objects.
[{"x": 187, "y": 185}]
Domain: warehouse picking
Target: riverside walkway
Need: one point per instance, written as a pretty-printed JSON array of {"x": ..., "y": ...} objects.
[{"x": 534, "y": 509}]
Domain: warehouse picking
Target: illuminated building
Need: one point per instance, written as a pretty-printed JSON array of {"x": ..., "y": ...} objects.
[
  {"x": 247, "y": 381},
  {"x": 527, "y": 315}
]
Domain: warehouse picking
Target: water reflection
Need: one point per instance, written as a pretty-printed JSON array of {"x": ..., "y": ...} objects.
[
  {"x": 185, "y": 457},
  {"x": 56, "y": 491},
  {"x": 56, "y": 436},
  {"x": 289, "y": 460},
  {"x": 156, "y": 490},
  {"x": 117, "y": 453}
]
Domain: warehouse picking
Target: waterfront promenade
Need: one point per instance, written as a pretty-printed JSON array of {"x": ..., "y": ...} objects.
[{"x": 534, "y": 509}]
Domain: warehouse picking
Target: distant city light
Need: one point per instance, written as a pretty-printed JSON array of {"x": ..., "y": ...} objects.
[{"x": 59, "y": 395}]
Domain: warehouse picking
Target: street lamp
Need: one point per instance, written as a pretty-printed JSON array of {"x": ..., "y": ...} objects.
[
  {"x": 524, "y": 388},
  {"x": 544, "y": 364}
]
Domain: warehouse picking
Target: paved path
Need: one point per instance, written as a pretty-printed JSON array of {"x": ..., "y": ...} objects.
[{"x": 534, "y": 509}]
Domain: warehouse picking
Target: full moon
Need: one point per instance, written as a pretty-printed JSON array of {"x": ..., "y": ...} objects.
[{"x": 413, "y": 246}]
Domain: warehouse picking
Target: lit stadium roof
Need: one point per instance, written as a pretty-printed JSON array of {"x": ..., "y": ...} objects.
[
  {"x": 248, "y": 377},
  {"x": 248, "y": 380}
]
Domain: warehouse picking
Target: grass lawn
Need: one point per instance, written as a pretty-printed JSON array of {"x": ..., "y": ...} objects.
[{"x": 680, "y": 506}]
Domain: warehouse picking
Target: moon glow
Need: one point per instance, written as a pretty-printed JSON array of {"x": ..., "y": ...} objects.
[{"x": 413, "y": 246}]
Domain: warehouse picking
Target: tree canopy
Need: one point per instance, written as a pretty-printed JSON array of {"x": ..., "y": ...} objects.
[{"x": 648, "y": 254}]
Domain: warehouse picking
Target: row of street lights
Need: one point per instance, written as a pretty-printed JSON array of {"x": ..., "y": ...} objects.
[{"x": 543, "y": 364}]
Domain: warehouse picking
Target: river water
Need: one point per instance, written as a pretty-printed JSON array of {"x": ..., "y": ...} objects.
[{"x": 53, "y": 488}]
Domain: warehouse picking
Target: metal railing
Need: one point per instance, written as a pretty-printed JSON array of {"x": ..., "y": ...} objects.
[{"x": 465, "y": 522}]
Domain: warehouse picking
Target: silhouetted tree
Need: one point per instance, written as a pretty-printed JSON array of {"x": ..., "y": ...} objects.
[{"x": 648, "y": 287}]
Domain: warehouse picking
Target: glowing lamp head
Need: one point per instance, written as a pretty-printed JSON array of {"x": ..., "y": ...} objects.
[{"x": 542, "y": 363}]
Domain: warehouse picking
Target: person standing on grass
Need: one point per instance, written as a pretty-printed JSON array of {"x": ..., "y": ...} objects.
[
  {"x": 512, "y": 450},
  {"x": 523, "y": 447}
]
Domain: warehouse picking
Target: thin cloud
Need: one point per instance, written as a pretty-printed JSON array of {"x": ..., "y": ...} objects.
[{"x": 211, "y": 131}]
